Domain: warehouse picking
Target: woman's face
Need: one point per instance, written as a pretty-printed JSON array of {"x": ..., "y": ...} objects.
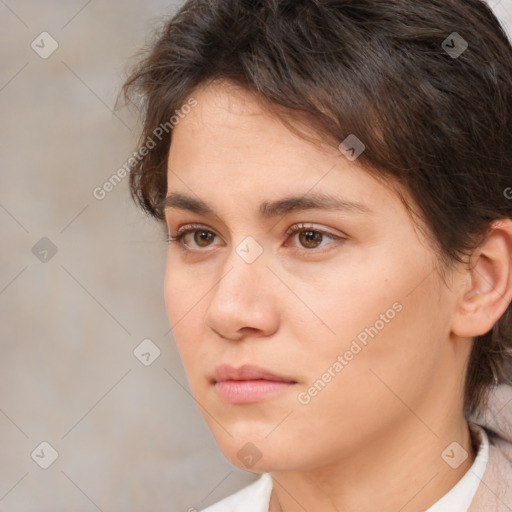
[{"x": 302, "y": 265}]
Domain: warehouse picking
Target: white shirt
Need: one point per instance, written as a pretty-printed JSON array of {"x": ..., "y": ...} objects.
[{"x": 256, "y": 497}]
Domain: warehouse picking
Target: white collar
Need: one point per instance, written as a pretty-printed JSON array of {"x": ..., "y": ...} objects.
[{"x": 459, "y": 497}]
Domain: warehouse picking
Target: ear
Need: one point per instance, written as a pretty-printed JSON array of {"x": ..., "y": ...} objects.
[{"x": 488, "y": 289}]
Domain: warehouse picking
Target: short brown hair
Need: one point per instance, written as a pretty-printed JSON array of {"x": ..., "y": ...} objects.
[{"x": 438, "y": 123}]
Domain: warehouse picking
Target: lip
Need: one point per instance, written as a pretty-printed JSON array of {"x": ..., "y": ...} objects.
[{"x": 248, "y": 383}]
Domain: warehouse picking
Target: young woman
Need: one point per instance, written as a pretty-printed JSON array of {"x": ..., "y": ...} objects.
[{"x": 336, "y": 181}]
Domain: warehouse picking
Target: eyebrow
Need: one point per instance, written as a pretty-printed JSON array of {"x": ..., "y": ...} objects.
[{"x": 270, "y": 209}]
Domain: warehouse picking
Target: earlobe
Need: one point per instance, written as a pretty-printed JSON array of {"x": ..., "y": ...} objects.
[{"x": 488, "y": 289}]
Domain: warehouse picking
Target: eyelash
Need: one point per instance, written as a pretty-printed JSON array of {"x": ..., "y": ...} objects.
[{"x": 297, "y": 228}]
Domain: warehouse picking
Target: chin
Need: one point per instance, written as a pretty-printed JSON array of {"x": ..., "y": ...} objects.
[{"x": 258, "y": 455}]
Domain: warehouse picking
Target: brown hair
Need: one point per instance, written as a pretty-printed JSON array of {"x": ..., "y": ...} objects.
[{"x": 435, "y": 121}]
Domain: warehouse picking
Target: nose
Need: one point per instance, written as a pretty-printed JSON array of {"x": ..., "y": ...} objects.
[{"x": 243, "y": 302}]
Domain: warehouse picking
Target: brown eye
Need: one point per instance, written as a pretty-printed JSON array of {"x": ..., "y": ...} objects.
[
  {"x": 193, "y": 238},
  {"x": 310, "y": 239},
  {"x": 203, "y": 238}
]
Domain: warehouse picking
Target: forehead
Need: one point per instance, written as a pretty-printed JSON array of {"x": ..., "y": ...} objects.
[
  {"x": 230, "y": 118},
  {"x": 230, "y": 132},
  {"x": 231, "y": 145}
]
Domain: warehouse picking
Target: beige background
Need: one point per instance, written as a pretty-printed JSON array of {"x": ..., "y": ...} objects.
[{"x": 128, "y": 436}]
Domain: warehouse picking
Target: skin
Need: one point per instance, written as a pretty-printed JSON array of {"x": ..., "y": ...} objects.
[{"x": 383, "y": 421}]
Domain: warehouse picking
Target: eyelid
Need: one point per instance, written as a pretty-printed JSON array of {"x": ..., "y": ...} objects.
[{"x": 192, "y": 227}]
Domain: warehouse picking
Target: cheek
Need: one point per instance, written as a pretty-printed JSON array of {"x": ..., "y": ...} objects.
[
  {"x": 397, "y": 361},
  {"x": 182, "y": 290},
  {"x": 364, "y": 392},
  {"x": 380, "y": 332},
  {"x": 183, "y": 302},
  {"x": 338, "y": 305},
  {"x": 174, "y": 288}
]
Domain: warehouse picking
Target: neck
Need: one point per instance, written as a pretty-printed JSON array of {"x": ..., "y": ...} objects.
[{"x": 401, "y": 470}]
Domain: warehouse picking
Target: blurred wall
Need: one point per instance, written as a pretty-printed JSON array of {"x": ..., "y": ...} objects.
[{"x": 81, "y": 281}]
